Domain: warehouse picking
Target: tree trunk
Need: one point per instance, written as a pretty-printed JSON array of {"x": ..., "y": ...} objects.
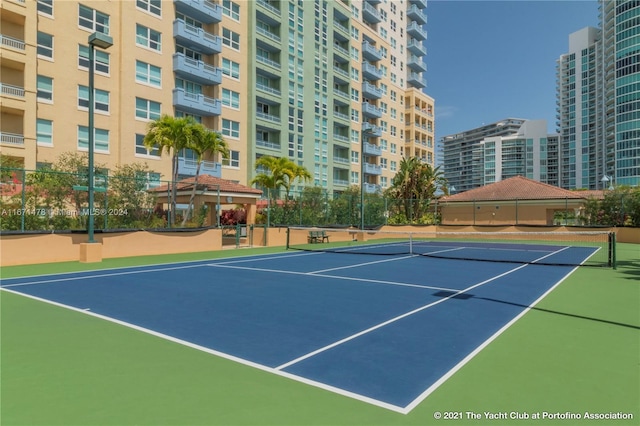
[{"x": 193, "y": 196}]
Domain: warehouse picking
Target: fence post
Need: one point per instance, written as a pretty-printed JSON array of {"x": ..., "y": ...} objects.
[{"x": 24, "y": 197}]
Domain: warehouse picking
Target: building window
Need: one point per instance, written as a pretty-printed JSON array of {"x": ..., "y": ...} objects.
[
  {"x": 354, "y": 157},
  {"x": 101, "y": 139},
  {"x": 148, "y": 38},
  {"x": 230, "y": 98},
  {"x": 101, "y": 99},
  {"x": 230, "y": 128},
  {"x": 230, "y": 68},
  {"x": 44, "y": 132},
  {"x": 151, "y": 6},
  {"x": 45, "y": 45},
  {"x": 101, "y": 59},
  {"x": 148, "y": 74},
  {"x": 191, "y": 54},
  {"x": 147, "y": 110},
  {"x": 45, "y": 7},
  {"x": 93, "y": 20},
  {"x": 355, "y": 178},
  {"x": 45, "y": 89},
  {"x": 143, "y": 150},
  {"x": 231, "y": 9},
  {"x": 231, "y": 39},
  {"x": 233, "y": 160}
]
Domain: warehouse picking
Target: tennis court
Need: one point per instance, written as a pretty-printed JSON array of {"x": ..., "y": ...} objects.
[{"x": 387, "y": 330}]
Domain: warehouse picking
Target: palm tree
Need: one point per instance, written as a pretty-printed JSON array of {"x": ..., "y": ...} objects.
[
  {"x": 282, "y": 173},
  {"x": 172, "y": 135},
  {"x": 415, "y": 185},
  {"x": 206, "y": 142}
]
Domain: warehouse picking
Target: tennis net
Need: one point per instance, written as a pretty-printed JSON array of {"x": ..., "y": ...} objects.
[{"x": 579, "y": 248}]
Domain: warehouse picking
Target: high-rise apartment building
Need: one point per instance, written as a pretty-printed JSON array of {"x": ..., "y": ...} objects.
[
  {"x": 463, "y": 154},
  {"x": 598, "y": 98},
  {"x": 335, "y": 86}
]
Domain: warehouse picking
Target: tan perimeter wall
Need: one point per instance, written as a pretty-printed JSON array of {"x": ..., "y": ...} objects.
[{"x": 30, "y": 249}]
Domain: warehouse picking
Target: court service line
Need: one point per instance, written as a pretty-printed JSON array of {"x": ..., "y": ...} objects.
[
  {"x": 399, "y": 317},
  {"x": 361, "y": 264},
  {"x": 309, "y": 274}
]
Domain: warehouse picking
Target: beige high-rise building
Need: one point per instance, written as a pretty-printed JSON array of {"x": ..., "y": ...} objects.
[{"x": 334, "y": 85}]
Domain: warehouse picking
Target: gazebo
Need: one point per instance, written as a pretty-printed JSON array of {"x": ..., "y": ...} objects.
[{"x": 213, "y": 192}]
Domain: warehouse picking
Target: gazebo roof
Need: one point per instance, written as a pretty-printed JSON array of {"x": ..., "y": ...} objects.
[
  {"x": 521, "y": 188},
  {"x": 212, "y": 183}
]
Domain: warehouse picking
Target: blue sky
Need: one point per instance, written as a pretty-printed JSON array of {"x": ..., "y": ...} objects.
[{"x": 489, "y": 60}]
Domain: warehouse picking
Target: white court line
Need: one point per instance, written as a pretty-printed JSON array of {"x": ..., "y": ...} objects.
[
  {"x": 151, "y": 268},
  {"x": 399, "y": 317},
  {"x": 477, "y": 350},
  {"x": 239, "y": 360},
  {"x": 357, "y": 265},
  {"x": 151, "y": 265},
  {"x": 310, "y": 274},
  {"x": 113, "y": 274},
  {"x": 277, "y": 370}
]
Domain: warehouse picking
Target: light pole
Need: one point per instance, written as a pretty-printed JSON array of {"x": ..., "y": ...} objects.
[
  {"x": 605, "y": 179},
  {"x": 102, "y": 41}
]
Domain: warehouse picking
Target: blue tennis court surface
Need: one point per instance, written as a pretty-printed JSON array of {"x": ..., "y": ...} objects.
[{"x": 386, "y": 330}]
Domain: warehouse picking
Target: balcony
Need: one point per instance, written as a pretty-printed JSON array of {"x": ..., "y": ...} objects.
[
  {"x": 416, "y": 63},
  {"x": 13, "y": 91},
  {"x": 371, "y": 130},
  {"x": 273, "y": 91},
  {"x": 268, "y": 61},
  {"x": 370, "y": 14},
  {"x": 370, "y": 72},
  {"x": 371, "y": 149},
  {"x": 416, "y": 14},
  {"x": 196, "y": 71},
  {"x": 416, "y": 47},
  {"x": 187, "y": 166},
  {"x": 270, "y": 6},
  {"x": 337, "y": 137},
  {"x": 422, "y": 4},
  {"x": 370, "y": 53},
  {"x": 341, "y": 75},
  {"x": 262, "y": 143},
  {"x": 204, "y": 11},
  {"x": 416, "y": 80},
  {"x": 370, "y": 91},
  {"x": 371, "y": 111},
  {"x": 196, "y": 38},
  {"x": 197, "y": 104},
  {"x": 268, "y": 117},
  {"x": 12, "y": 43},
  {"x": 371, "y": 188},
  {"x": 11, "y": 139},
  {"x": 416, "y": 31}
]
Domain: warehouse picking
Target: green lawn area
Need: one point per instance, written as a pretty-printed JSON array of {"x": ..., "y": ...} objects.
[{"x": 577, "y": 351}]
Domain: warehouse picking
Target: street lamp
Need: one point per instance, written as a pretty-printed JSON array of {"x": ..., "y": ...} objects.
[
  {"x": 606, "y": 179},
  {"x": 102, "y": 41}
]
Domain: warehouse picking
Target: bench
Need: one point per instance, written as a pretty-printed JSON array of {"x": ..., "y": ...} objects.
[{"x": 317, "y": 237}]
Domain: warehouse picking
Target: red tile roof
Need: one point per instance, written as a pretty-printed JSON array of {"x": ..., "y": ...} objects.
[
  {"x": 212, "y": 183},
  {"x": 517, "y": 187}
]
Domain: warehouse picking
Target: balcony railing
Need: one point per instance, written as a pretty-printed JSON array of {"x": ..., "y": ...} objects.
[
  {"x": 8, "y": 89},
  {"x": 187, "y": 166},
  {"x": 197, "y": 71},
  {"x": 12, "y": 139},
  {"x": 197, "y": 38},
  {"x": 203, "y": 10},
  {"x": 268, "y": 117},
  {"x": 11, "y": 42},
  {"x": 196, "y": 103}
]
